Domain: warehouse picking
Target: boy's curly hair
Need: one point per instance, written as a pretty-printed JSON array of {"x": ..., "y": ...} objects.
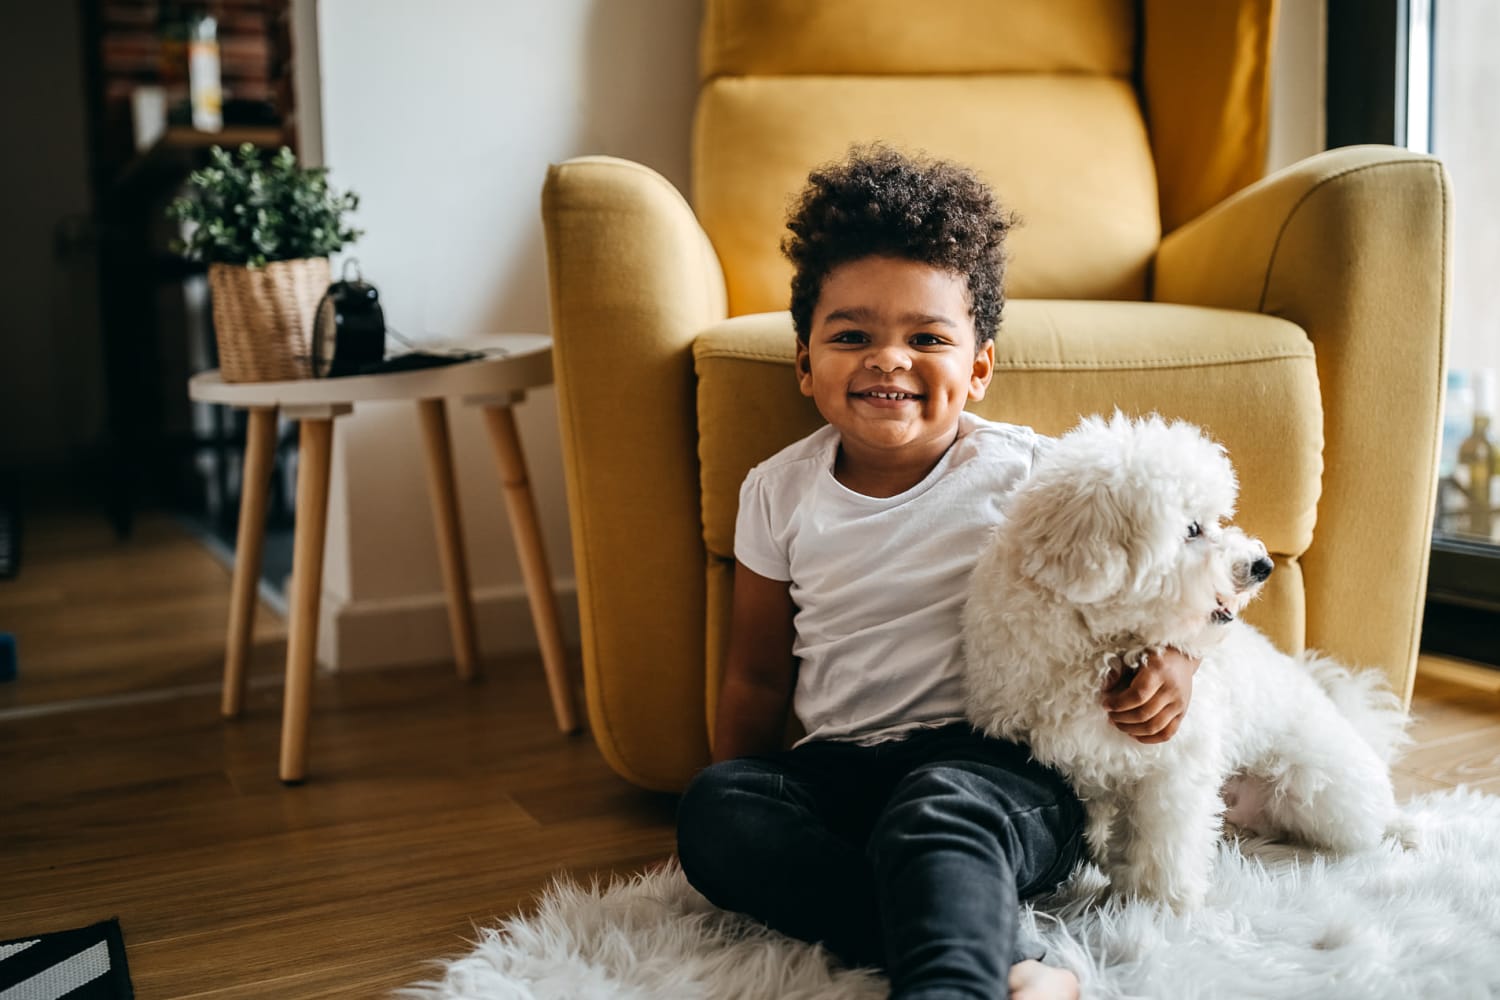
[{"x": 878, "y": 201}]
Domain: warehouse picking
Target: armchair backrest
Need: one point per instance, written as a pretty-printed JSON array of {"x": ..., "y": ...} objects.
[{"x": 1050, "y": 100}]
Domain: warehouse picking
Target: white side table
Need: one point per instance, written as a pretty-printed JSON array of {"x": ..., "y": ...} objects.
[{"x": 513, "y": 364}]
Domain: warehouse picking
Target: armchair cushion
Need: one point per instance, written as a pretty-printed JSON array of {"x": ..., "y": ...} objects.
[
  {"x": 1085, "y": 187},
  {"x": 1250, "y": 379}
]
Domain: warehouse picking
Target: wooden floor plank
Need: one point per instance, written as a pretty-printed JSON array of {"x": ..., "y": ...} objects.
[{"x": 93, "y": 615}]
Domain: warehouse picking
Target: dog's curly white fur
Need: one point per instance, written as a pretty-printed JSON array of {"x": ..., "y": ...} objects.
[{"x": 1118, "y": 543}]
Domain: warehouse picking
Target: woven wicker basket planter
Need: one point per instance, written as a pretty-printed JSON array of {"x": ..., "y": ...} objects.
[{"x": 263, "y": 318}]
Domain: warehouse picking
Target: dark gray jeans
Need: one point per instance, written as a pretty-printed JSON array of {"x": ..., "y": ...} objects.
[{"x": 911, "y": 855}]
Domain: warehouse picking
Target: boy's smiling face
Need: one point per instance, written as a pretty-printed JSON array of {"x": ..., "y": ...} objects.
[{"x": 890, "y": 361}]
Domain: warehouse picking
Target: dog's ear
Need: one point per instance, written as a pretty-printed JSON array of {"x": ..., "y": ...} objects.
[{"x": 1074, "y": 532}]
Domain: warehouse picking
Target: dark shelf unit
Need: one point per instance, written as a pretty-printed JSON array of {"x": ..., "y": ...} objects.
[{"x": 160, "y": 450}]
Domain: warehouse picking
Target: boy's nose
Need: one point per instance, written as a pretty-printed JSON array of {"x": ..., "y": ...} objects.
[{"x": 888, "y": 359}]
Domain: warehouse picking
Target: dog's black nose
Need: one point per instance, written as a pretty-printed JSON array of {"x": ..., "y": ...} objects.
[{"x": 1260, "y": 569}]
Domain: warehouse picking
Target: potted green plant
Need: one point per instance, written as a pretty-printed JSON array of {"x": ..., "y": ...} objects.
[{"x": 265, "y": 226}]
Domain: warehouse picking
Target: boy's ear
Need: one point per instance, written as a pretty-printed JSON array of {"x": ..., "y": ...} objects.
[
  {"x": 984, "y": 370},
  {"x": 804, "y": 368}
]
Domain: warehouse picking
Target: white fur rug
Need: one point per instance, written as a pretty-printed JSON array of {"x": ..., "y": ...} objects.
[{"x": 1418, "y": 922}]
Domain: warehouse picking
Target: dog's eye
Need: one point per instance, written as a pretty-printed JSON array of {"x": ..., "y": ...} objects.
[{"x": 1194, "y": 530}]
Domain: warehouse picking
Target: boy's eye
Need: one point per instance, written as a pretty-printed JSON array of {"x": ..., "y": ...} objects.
[
  {"x": 926, "y": 340},
  {"x": 848, "y": 337}
]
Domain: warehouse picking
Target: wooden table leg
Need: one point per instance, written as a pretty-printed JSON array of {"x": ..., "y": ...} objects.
[
  {"x": 313, "y": 458},
  {"x": 260, "y": 449},
  {"x": 450, "y": 537},
  {"x": 521, "y": 507}
]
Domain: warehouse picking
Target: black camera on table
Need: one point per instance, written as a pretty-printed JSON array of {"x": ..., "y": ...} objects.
[{"x": 349, "y": 330}]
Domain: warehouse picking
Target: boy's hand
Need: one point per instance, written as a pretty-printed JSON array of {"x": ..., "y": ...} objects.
[{"x": 1150, "y": 704}]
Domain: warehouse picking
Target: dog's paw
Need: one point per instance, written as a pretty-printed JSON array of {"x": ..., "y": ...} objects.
[
  {"x": 1158, "y": 886},
  {"x": 1120, "y": 668},
  {"x": 1113, "y": 667},
  {"x": 1404, "y": 832},
  {"x": 1180, "y": 895}
]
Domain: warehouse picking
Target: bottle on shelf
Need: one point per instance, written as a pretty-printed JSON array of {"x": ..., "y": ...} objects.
[
  {"x": 1477, "y": 462},
  {"x": 204, "y": 85}
]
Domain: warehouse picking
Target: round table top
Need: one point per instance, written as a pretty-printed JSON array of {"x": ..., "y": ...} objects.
[{"x": 514, "y": 362}]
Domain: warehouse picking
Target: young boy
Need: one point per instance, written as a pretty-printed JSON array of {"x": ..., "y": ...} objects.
[{"x": 893, "y": 833}]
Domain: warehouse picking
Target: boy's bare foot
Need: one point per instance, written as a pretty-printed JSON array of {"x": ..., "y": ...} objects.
[{"x": 1031, "y": 980}]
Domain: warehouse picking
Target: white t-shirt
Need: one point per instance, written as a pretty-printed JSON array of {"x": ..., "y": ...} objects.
[{"x": 879, "y": 582}]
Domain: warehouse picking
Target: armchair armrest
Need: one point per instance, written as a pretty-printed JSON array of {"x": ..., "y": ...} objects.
[
  {"x": 1353, "y": 246},
  {"x": 633, "y": 279}
]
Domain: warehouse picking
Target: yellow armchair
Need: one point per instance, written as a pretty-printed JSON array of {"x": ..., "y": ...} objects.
[{"x": 1301, "y": 318}]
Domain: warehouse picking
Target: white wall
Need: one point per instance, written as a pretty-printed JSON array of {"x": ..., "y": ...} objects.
[
  {"x": 1298, "y": 74},
  {"x": 443, "y": 116}
]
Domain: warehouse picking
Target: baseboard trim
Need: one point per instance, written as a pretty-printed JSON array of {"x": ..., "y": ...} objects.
[
  {"x": 362, "y": 635},
  {"x": 1453, "y": 671}
]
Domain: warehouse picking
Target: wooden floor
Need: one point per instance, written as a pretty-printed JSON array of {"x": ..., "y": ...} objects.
[
  {"x": 432, "y": 806},
  {"x": 96, "y": 617}
]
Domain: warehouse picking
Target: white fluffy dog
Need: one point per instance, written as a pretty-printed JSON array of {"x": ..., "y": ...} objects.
[{"x": 1118, "y": 543}]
